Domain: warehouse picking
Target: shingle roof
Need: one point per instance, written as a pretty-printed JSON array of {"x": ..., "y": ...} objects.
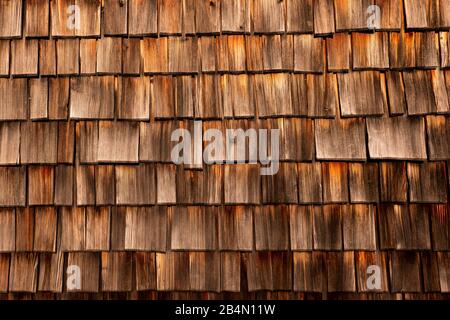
[{"x": 86, "y": 177}]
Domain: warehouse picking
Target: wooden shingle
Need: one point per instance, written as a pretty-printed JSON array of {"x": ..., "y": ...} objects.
[
  {"x": 236, "y": 96},
  {"x": 179, "y": 49},
  {"x": 68, "y": 56},
  {"x": 39, "y": 142},
  {"x": 13, "y": 105},
  {"x": 115, "y": 14},
  {"x": 98, "y": 228},
  {"x": 438, "y": 133},
  {"x": 200, "y": 186},
  {"x": 204, "y": 271},
  {"x": 23, "y": 272},
  {"x": 272, "y": 228},
  {"x": 358, "y": 227},
  {"x": 66, "y": 137},
  {"x": 118, "y": 141},
  {"x": 242, "y": 184},
  {"x": 150, "y": 137},
  {"x": 324, "y": 23},
  {"x": 104, "y": 185},
  {"x": 426, "y": 92},
  {"x": 362, "y": 93},
  {"x": 310, "y": 273},
  {"x": 341, "y": 271},
  {"x": 4, "y": 271},
  {"x": 301, "y": 227},
  {"x": 87, "y": 141},
  {"x": 268, "y": 270},
  {"x": 172, "y": 271},
  {"x": 268, "y": 16},
  {"x": 364, "y": 183},
  {"x": 209, "y": 106},
  {"x": 396, "y": 90},
  {"x": 8, "y": 230},
  {"x": 393, "y": 181},
  {"x": 230, "y": 273},
  {"x": 370, "y": 50},
  {"x": 24, "y": 57},
  {"x": 45, "y": 226},
  {"x": 272, "y": 94},
  {"x": 235, "y": 16},
  {"x": 193, "y": 228},
  {"x": 142, "y": 17},
  {"x": 132, "y": 60},
  {"x": 427, "y": 49},
  {"x": 207, "y": 53},
  {"x": 309, "y": 182},
  {"x": 92, "y": 97},
  {"x": 47, "y": 57},
  {"x": 335, "y": 181},
  {"x": 166, "y": 183},
  {"x": 296, "y": 136},
  {"x": 88, "y": 56},
  {"x": 89, "y": 264},
  {"x": 145, "y": 270},
  {"x": 73, "y": 228},
  {"x": 63, "y": 185},
  {"x": 350, "y": 15},
  {"x": 24, "y": 229},
  {"x": 430, "y": 271},
  {"x": 36, "y": 18},
  {"x": 444, "y": 271},
  {"x": 282, "y": 186},
  {"x": 299, "y": 16},
  {"x": 338, "y": 52},
  {"x": 235, "y": 228},
  {"x": 85, "y": 185},
  {"x": 365, "y": 259},
  {"x": 327, "y": 227},
  {"x": 396, "y": 138},
  {"x": 155, "y": 47},
  {"x": 9, "y": 142},
  {"x": 170, "y": 17},
  {"x": 12, "y": 182},
  {"x": 209, "y": 11},
  {"x": 135, "y": 185},
  {"x": 404, "y": 228},
  {"x": 109, "y": 55},
  {"x": 231, "y": 53},
  {"x": 41, "y": 185},
  {"x": 323, "y": 99},
  {"x": 11, "y": 19},
  {"x": 162, "y": 89},
  {"x": 145, "y": 228},
  {"x": 309, "y": 54},
  {"x": 427, "y": 182},
  {"x": 402, "y": 52},
  {"x": 84, "y": 24},
  {"x": 405, "y": 271},
  {"x": 340, "y": 139},
  {"x": 440, "y": 227},
  {"x": 51, "y": 272},
  {"x": 38, "y": 98},
  {"x": 4, "y": 52},
  {"x": 421, "y": 14}
]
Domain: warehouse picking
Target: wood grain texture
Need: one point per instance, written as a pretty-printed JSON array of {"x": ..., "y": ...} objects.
[
  {"x": 12, "y": 182},
  {"x": 362, "y": 93},
  {"x": 192, "y": 228},
  {"x": 145, "y": 228},
  {"x": 396, "y": 138},
  {"x": 92, "y": 97},
  {"x": 340, "y": 139}
]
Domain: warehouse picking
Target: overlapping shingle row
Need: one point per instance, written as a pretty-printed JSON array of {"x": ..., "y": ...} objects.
[{"x": 91, "y": 92}]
